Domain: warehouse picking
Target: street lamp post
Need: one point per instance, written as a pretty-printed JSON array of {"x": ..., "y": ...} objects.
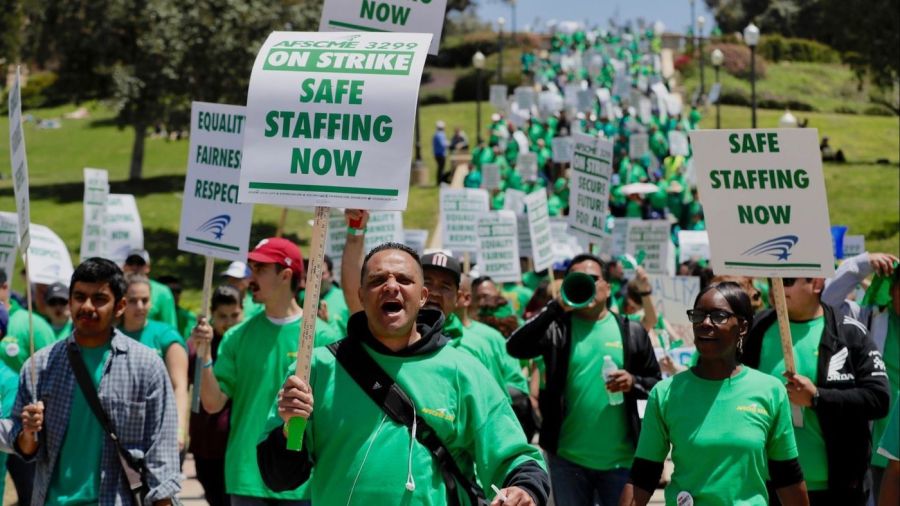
[
  {"x": 500, "y": 23},
  {"x": 478, "y": 63},
  {"x": 751, "y": 38},
  {"x": 717, "y": 58},
  {"x": 700, "y": 22}
]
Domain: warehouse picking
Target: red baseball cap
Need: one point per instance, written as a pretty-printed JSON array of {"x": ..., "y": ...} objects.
[{"x": 277, "y": 250}]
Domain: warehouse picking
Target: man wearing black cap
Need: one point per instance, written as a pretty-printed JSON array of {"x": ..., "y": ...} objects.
[
  {"x": 56, "y": 304},
  {"x": 162, "y": 302}
]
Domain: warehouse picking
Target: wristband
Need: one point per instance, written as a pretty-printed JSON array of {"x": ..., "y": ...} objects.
[
  {"x": 356, "y": 231},
  {"x": 208, "y": 364}
]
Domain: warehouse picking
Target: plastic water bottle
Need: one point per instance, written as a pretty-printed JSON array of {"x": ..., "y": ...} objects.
[{"x": 609, "y": 367}]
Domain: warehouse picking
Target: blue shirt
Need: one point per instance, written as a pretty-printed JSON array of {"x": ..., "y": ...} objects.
[{"x": 439, "y": 143}]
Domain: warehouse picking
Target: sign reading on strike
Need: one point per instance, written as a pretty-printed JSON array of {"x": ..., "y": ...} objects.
[
  {"x": 460, "y": 209},
  {"x": 498, "y": 251},
  {"x": 419, "y": 16},
  {"x": 330, "y": 119},
  {"x": 213, "y": 223},
  {"x": 123, "y": 228},
  {"x": 763, "y": 195},
  {"x": 589, "y": 186},
  {"x": 539, "y": 230},
  {"x": 96, "y": 191},
  {"x": 19, "y": 162}
]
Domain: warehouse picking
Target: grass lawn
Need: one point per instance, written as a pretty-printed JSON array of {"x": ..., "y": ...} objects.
[{"x": 862, "y": 194}]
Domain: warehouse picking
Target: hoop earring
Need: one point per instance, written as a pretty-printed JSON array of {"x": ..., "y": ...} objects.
[{"x": 740, "y": 345}]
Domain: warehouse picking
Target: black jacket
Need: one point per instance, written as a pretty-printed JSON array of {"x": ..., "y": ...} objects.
[
  {"x": 548, "y": 334},
  {"x": 853, "y": 390}
]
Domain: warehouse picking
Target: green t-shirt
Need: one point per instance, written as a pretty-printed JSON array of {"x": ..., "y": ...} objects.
[
  {"x": 889, "y": 447},
  {"x": 481, "y": 349},
  {"x": 588, "y": 410},
  {"x": 722, "y": 435},
  {"x": 356, "y": 447},
  {"x": 187, "y": 320},
  {"x": 76, "y": 478},
  {"x": 157, "y": 336},
  {"x": 15, "y": 344},
  {"x": 162, "y": 304},
  {"x": 62, "y": 332},
  {"x": 518, "y": 296},
  {"x": 338, "y": 312},
  {"x": 251, "y": 307},
  {"x": 509, "y": 366},
  {"x": 892, "y": 364},
  {"x": 9, "y": 386},
  {"x": 253, "y": 360},
  {"x": 806, "y": 337}
]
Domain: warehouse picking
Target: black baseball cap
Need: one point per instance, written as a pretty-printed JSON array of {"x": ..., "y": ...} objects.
[
  {"x": 137, "y": 257},
  {"x": 56, "y": 291},
  {"x": 441, "y": 260}
]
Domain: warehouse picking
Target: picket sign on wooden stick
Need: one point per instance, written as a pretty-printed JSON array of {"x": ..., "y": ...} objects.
[
  {"x": 28, "y": 295},
  {"x": 784, "y": 329},
  {"x": 281, "y": 221},
  {"x": 297, "y": 425},
  {"x": 203, "y": 314},
  {"x": 467, "y": 263}
]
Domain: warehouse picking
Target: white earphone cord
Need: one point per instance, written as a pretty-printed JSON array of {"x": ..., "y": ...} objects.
[
  {"x": 410, "y": 482},
  {"x": 365, "y": 458}
]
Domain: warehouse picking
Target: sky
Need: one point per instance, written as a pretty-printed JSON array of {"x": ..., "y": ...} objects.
[{"x": 675, "y": 14}]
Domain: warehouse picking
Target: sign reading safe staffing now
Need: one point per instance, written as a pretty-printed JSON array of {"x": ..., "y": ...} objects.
[
  {"x": 330, "y": 119},
  {"x": 213, "y": 223},
  {"x": 763, "y": 194},
  {"x": 416, "y": 16}
]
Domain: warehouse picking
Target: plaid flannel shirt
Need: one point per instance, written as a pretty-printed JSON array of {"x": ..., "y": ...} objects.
[{"x": 137, "y": 396}]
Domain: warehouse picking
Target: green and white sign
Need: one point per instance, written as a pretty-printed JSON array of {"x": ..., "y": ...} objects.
[
  {"x": 539, "y": 230},
  {"x": 498, "y": 251},
  {"x": 490, "y": 176},
  {"x": 213, "y": 222},
  {"x": 638, "y": 145},
  {"x": 589, "y": 187},
  {"x": 96, "y": 192},
  {"x": 408, "y": 16},
  {"x": 383, "y": 226},
  {"x": 763, "y": 195},
  {"x": 123, "y": 229},
  {"x": 563, "y": 149},
  {"x": 693, "y": 245},
  {"x": 19, "y": 162},
  {"x": 527, "y": 166},
  {"x": 8, "y": 224},
  {"x": 498, "y": 96},
  {"x": 652, "y": 237},
  {"x": 330, "y": 119},
  {"x": 416, "y": 238},
  {"x": 48, "y": 257},
  {"x": 460, "y": 209}
]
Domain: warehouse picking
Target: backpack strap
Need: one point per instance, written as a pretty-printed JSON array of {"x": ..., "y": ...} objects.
[{"x": 391, "y": 398}]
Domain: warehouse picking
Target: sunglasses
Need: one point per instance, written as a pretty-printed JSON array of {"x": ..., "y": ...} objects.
[
  {"x": 57, "y": 302},
  {"x": 717, "y": 317},
  {"x": 788, "y": 282}
]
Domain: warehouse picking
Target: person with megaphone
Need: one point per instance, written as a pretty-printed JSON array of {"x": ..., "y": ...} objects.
[{"x": 589, "y": 406}]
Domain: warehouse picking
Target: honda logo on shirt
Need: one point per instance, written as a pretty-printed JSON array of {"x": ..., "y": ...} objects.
[{"x": 837, "y": 362}]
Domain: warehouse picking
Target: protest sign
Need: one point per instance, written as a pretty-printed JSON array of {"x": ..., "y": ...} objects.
[
  {"x": 8, "y": 239},
  {"x": 584, "y": 100},
  {"x": 490, "y": 176},
  {"x": 330, "y": 120},
  {"x": 763, "y": 194},
  {"x": 603, "y": 95},
  {"x": 563, "y": 149},
  {"x": 652, "y": 237},
  {"x": 514, "y": 201},
  {"x": 570, "y": 94},
  {"x": 714, "y": 93},
  {"x": 213, "y": 223},
  {"x": 498, "y": 252},
  {"x": 638, "y": 145},
  {"x": 645, "y": 110},
  {"x": 621, "y": 84},
  {"x": 122, "y": 227},
  {"x": 539, "y": 230},
  {"x": 525, "y": 97},
  {"x": 48, "y": 258},
  {"x": 498, "y": 96},
  {"x": 524, "y": 235},
  {"x": 589, "y": 187},
  {"x": 526, "y": 166},
  {"x": 19, "y": 162},
  {"x": 382, "y": 16},
  {"x": 383, "y": 226},
  {"x": 460, "y": 209},
  {"x": 96, "y": 191},
  {"x": 678, "y": 143},
  {"x": 674, "y": 104},
  {"x": 673, "y": 296},
  {"x": 854, "y": 245},
  {"x": 416, "y": 239},
  {"x": 564, "y": 243},
  {"x": 693, "y": 245},
  {"x": 549, "y": 103}
]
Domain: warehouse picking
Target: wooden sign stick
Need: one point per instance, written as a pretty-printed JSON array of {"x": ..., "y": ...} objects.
[
  {"x": 297, "y": 425},
  {"x": 203, "y": 314},
  {"x": 784, "y": 329},
  {"x": 29, "y": 297},
  {"x": 281, "y": 221}
]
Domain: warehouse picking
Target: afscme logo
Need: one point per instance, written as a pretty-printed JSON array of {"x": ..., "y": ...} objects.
[{"x": 778, "y": 247}]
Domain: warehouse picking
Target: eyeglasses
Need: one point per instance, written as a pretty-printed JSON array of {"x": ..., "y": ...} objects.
[
  {"x": 57, "y": 302},
  {"x": 717, "y": 317},
  {"x": 789, "y": 282}
]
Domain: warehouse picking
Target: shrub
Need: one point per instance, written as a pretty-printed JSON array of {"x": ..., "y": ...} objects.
[
  {"x": 777, "y": 48},
  {"x": 434, "y": 98},
  {"x": 734, "y": 97},
  {"x": 38, "y": 91},
  {"x": 464, "y": 88},
  {"x": 458, "y": 51},
  {"x": 737, "y": 60}
]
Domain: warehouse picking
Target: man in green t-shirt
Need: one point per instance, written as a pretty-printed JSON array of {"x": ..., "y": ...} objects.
[
  {"x": 162, "y": 300},
  {"x": 56, "y": 309},
  {"x": 332, "y": 306},
  {"x": 360, "y": 454},
  {"x": 588, "y": 429},
  {"x": 252, "y": 361},
  {"x": 840, "y": 382},
  {"x": 14, "y": 347}
]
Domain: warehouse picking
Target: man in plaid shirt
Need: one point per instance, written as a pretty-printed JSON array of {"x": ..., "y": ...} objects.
[{"x": 77, "y": 461}]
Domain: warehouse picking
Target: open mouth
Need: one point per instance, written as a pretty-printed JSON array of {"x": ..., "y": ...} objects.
[
  {"x": 391, "y": 307},
  {"x": 708, "y": 339}
]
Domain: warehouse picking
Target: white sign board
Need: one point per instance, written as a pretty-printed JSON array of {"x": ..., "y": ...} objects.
[
  {"x": 498, "y": 246},
  {"x": 383, "y": 226},
  {"x": 499, "y": 95},
  {"x": 525, "y": 97},
  {"x": 96, "y": 191},
  {"x": 416, "y": 239},
  {"x": 19, "y": 162},
  {"x": 678, "y": 143},
  {"x": 380, "y": 16},
  {"x": 490, "y": 176},
  {"x": 693, "y": 245},
  {"x": 460, "y": 209},
  {"x": 527, "y": 166},
  {"x": 589, "y": 187},
  {"x": 539, "y": 230},
  {"x": 123, "y": 228},
  {"x": 8, "y": 239},
  {"x": 645, "y": 110},
  {"x": 619, "y": 235},
  {"x": 638, "y": 145},
  {"x": 673, "y": 296},
  {"x": 213, "y": 223},
  {"x": 585, "y": 100},
  {"x": 48, "y": 258},
  {"x": 854, "y": 245},
  {"x": 652, "y": 237},
  {"x": 330, "y": 119},
  {"x": 763, "y": 194},
  {"x": 565, "y": 244},
  {"x": 563, "y": 149}
]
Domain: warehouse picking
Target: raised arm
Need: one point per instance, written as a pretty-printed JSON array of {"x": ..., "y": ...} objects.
[{"x": 352, "y": 258}]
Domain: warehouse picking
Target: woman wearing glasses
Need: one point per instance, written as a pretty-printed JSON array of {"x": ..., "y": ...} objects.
[{"x": 729, "y": 426}]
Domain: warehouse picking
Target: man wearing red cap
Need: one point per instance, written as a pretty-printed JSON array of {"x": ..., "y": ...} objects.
[{"x": 252, "y": 362}]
